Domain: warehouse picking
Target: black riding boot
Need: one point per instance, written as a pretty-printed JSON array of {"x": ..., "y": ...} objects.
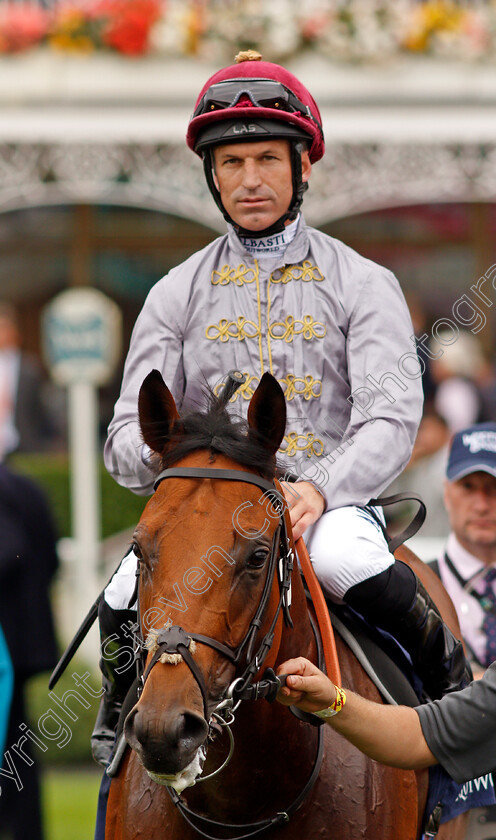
[
  {"x": 118, "y": 673},
  {"x": 395, "y": 600}
]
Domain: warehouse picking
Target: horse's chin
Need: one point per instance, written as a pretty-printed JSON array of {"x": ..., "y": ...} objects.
[{"x": 185, "y": 778}]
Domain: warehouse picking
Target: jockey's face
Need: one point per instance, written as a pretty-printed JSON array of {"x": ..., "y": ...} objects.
[
  {"x": 255, "y": 181},
  {"x": 471, "y": 505}
]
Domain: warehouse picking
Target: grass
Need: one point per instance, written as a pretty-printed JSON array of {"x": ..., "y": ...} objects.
[
  {"x": 69, "y": 802},
  {"x": 120, "y": 509}
]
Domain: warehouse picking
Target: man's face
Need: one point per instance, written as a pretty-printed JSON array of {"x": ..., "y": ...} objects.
[
  {"x": 254, "y": 180},
  {"x": 471, "y": 505}
]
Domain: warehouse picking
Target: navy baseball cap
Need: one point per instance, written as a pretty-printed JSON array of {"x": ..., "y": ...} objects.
[{"x": 472, "y": 450}]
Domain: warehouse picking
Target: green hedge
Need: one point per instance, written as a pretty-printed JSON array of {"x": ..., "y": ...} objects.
[
  {"x": 77, "y": 733},
  {"x": 120, "y": 508}
]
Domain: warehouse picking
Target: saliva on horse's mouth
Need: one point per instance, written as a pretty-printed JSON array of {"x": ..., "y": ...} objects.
[{"x": 185, "y": 778}]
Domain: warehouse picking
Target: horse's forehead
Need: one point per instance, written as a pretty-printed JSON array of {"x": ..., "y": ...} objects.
[
  {"x": 175, "y": 493},
  {"x": 179, "y": 500}
]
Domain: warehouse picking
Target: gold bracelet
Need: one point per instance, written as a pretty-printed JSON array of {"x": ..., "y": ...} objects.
[{"x": 336, "y": 707}]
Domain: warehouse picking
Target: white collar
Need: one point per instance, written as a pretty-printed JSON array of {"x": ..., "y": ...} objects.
[
  {"x": 274, "y": 245},
  {"x": 469, "y": 566}
]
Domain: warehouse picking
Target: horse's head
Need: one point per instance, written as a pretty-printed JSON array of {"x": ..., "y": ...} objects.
[{"x": 207, "y": 545}]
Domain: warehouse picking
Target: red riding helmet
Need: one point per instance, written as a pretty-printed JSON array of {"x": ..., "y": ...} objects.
[
  {"x": 254, "y": 100},
  {"x": 234, "y": 92}
]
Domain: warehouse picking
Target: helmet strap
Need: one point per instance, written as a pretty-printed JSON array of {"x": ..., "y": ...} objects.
[{"x": 299, "y": 188}]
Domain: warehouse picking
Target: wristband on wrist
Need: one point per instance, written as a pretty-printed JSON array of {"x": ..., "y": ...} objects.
[{"x": 336, "y": 707}]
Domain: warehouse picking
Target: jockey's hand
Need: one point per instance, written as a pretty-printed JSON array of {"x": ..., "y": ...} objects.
[
  {"x": 307, "y": 687},
  {"x": 306, "y": 504}
]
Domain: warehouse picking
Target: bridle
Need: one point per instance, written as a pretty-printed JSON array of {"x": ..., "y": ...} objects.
[
  {"x": 175, "y": 640},
  {"x": 171, "y": 639}
]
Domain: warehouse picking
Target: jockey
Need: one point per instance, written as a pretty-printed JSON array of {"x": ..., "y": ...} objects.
[{"x": 276, "y": 295}]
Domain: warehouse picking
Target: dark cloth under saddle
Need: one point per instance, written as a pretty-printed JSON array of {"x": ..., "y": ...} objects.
[{"x": 381, "y": 656}]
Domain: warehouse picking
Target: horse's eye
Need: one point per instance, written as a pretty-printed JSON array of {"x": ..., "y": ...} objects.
[
  {"x": 137, "y": 551},
  {"x": 259, "y": 557}
]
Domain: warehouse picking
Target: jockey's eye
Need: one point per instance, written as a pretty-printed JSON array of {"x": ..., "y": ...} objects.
[{"x": 258, "y": 558}]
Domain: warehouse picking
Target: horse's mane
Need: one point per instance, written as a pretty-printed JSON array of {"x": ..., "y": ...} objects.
[{"x": 218, "y": 431}]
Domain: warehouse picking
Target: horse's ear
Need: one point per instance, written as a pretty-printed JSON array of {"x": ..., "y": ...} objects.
[
  {"x": 157, "y": 412},
  {"x": 267, "y": 413}
]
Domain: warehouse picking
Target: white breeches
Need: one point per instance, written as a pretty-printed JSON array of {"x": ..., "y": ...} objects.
[{"x": 346, "y": 547}]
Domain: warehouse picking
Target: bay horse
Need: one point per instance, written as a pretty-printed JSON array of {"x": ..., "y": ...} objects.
[{"x": 215, "y": 562}]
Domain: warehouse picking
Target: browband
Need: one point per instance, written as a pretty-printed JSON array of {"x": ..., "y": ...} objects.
[{"x": 207, "y": 472}]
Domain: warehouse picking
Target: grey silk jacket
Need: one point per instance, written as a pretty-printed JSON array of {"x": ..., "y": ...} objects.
[{"x": 330, "y": 325}]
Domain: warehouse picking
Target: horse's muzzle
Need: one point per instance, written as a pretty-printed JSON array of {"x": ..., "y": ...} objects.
[{"x": 166, "y": 744}]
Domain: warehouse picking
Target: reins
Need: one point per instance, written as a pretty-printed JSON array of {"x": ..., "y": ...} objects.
[{"x": 322, "y": 612}]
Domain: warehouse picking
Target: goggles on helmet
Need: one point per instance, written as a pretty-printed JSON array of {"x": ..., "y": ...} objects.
[{"x": 262, "y": 93}]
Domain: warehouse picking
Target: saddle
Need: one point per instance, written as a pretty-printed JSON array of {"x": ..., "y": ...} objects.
[{"x": 381, "y": 657}]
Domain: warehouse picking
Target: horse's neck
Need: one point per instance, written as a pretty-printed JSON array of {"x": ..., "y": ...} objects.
[{"x": 266, "y": 734}]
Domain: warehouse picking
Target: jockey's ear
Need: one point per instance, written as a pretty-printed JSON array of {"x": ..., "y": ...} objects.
[
  {"x": 157, "y": 412},
  {"x": 267, "y": 413}
]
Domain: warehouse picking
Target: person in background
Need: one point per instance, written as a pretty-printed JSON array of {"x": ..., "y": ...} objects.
[
  {"x": 420, "y": 323},
  {"x": 6, "y": 683},
  {"x": 467, "y": 566},
  {"x": 28, "y": 562},
  {"x": 456, "y": 369},
  {"x": 26, "y": 424},
  {"x": 423, "y": 478}
]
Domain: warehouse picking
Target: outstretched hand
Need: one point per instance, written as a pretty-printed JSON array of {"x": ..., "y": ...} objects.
[
  {"x": 306, "y": 504},
  {"x": 306, "y": 686},
  {"x": 389, "y": 734}
]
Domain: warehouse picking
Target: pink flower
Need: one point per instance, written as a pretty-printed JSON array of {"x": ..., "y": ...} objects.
[{"x": 22, "y": 27}]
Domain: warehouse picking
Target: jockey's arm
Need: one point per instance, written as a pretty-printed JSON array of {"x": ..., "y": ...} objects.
[{"x": 389, "y": 734}]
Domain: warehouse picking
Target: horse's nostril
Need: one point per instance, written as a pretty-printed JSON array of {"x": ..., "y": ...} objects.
[
  {"x": 166, "y": 744},
  {"x": 182, "y": 732},
  {"x": 193, "y": 729}
]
